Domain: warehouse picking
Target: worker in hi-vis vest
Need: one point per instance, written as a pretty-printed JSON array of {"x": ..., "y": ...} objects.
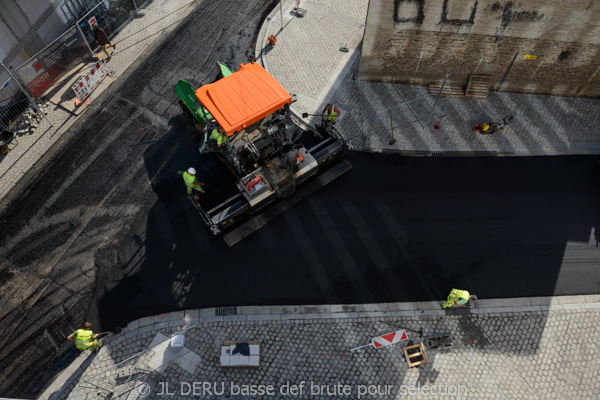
[
  {"x": 330, "y": 114},
  {"x": 189, "y": 177},
  {"x": 458, "y": 297},
  {"x": 84, "y": 338},
  {"x": 218, "y": 135}
]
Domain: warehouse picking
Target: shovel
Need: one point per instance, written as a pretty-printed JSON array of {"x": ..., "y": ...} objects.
[{"x": 115, "y": 331}]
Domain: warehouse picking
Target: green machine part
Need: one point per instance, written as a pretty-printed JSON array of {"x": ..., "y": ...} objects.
[
  {"x": 187, "y": 95},
  {"x": 225, "y": 71}
]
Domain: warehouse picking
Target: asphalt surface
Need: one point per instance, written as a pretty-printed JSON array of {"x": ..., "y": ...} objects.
[{"x": 107, "y": 234}]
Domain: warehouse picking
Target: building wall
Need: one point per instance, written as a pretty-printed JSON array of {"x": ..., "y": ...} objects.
[
  {"x": 417, "y": 41},
  {"x": 27, "y": 26}
]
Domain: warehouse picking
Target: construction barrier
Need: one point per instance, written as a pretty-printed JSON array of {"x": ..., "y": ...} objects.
[
  {"x": 390, "y": 338},
  {"x": 86, "y": 84},
  {"x": 385, "y": 340}
]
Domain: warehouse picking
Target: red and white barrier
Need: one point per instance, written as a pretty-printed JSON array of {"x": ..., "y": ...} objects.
[
  {"x": 389, "y": 339},
  {"x": 385, "y": 340},
  {"x": 84, "y": 86}
]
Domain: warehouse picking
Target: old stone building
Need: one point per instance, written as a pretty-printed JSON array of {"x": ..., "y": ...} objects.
[{"x": 534, "y": 46}]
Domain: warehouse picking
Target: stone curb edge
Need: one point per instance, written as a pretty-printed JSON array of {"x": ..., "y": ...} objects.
[
  {"x": 346, "y": 311},
  {"x": 307, "y": 313}
]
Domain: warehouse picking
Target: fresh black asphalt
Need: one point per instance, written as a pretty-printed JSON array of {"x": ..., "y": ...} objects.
[{"x": 106, "y": 233}]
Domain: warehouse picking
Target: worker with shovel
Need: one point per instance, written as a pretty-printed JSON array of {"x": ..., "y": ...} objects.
[
  {"x": 458, "y": 297},
  {"x": 329, "y": 114},
  {"x": 189, "y": 177},
  {"x": 85, "y": 339}
]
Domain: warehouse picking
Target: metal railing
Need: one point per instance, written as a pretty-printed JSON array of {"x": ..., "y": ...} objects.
[
  {"x": 111, "y": 18},
  {"x": 46, "y": 67},
  {"x": 14, "y": 101},
  {"x": 50, "y": 64}
]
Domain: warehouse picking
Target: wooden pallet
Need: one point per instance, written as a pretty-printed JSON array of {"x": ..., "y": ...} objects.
[
  {"x": 415, "y": 355},
  {"x": 478, "y": 86},
  {"x": 454, "y": 92}
]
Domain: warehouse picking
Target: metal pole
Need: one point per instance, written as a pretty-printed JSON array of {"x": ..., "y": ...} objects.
[
  {"x": 594, "y": 74},
  {"x": 26, "y": 92},
  {"x": 507, "y": 71},
  {"x": 360, "y": 347},
  {"x": 419, "y": 63},
  {"x": 536, "y": 70},
  {"x": 437, "y": 97},
  {"x": 135, "y": 5},
  {"x": 84, "y": 39},
  {"x": 393, "y": 141},
  {"x": 281, "y": 12},
  {"x": 480, "y": 60}
]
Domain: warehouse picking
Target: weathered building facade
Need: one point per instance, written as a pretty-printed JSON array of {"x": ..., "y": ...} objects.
[{"x": 535, "y": 46}]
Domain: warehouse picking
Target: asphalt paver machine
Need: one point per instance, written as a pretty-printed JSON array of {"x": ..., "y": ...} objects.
[{"x": 266, "y": 163}]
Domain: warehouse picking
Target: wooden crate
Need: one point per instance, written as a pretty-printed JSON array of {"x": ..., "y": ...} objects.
[
  {"x": 478, "y": 86},
  {"x": 454, "y": 92},
  {"x": 415, "y": 355}
]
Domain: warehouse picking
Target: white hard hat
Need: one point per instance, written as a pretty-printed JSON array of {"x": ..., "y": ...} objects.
[{"x": 192, "y": 171}]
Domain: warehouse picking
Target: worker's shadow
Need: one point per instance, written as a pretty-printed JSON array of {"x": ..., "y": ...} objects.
[{"x": 427, "y": 372}]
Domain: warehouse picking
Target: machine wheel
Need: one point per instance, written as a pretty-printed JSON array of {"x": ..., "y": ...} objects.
[
  {"x": 4, "y": 149},
  {"x": 215, "y": 230}
]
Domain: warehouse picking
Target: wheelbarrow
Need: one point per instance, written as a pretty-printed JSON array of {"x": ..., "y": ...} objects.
[{"x": 6, "y": 141}]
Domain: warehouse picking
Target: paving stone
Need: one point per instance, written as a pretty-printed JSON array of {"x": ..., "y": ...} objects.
[
  {"x": 543, "y": 301},
  {"x": 191, "y": 316},
  {"x": 255, "y": 310},
  {"x": 315, "y": 309},
  {"x": 264, "y": 318},
  {"x": 207, "y": 312},
  {"x": 336, "y": 308},
  {"x": 285, "y": 309},
  {"x": 429, "y": 305},
  {"x": 519, "y": 301},
  {"x": 592, "y": 298},
  {"x": 402, "y": 306},
  {"x": 571, "y": 299}
]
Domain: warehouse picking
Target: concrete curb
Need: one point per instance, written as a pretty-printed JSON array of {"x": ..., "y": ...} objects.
[{"x": 302, "y": 314}]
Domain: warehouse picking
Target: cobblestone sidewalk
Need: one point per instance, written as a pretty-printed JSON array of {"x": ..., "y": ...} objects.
[
  {"x": 308, "y": 60},
  {"x": 528, "y": 348}
]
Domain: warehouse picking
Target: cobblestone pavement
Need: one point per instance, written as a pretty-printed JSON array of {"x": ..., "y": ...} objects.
[
  {"x": 527, "y": 348},
  {"x": 158, "y": 18},
  {"x": 308, "y": 62}
]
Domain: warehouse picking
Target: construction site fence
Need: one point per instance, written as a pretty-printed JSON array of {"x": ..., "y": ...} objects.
[
  {"x": 110, "y": 15},
  {"x": 14, "y": 99},
  {"x": 49, "y": 65},
  {"x": 77, "y": 44}
]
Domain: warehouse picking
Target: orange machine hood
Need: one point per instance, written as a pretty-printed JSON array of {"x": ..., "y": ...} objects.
[{"x": 242, "y": 98}]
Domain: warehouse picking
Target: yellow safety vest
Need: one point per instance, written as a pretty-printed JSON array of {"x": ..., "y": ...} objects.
[
  {"x": 82, "y": 338},
  {"x": 456, "y": 295},
  {"x": 332, "y": 114},
  {"x": 218, "y": 136},
  {"x": 189, "y": 179}
]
